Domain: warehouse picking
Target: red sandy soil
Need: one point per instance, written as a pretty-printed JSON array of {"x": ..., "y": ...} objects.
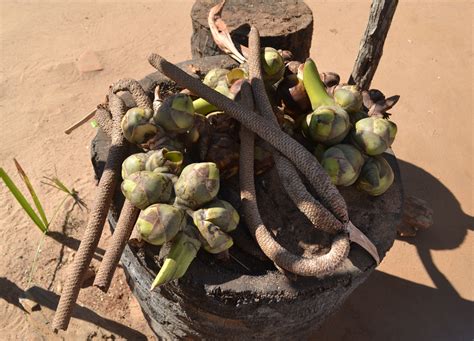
[{"x": 423, "y": 290}]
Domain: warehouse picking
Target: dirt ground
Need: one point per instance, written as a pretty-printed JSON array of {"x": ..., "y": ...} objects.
[{"x": 423, "y": 290}]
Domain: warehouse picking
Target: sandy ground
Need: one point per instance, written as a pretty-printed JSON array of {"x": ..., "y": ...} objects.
[{"x": 422, "y": 290}]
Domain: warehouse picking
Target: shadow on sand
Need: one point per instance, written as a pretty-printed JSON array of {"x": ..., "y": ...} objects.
[
  {"x": 10, "y": 292},
  {"x": 387, "y": 307}
]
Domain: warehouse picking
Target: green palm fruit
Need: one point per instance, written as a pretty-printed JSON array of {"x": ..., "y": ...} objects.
[
  {"x": 145, "y": 188},
  {"x": 376, "y": 176},
  {"x": 343, "y": 163},
  {"x": 134, "y": 163},
  {"x": 137, "y": 125},
  {"x": 159, "y": 223},
  {"x": 214, "y": 77},
  {"x": 328, "y": 123},
  {"x": 357, "y": 116},
  {"x": 319, "y": 150},
  {"x": 203, "y": 107},
  {"x": 234, "y": 75},
  {"x": 225, "y": 243},
  {"x": 220, "y": 213},
  {"x": 175, "y": 114},
  {"x": 197, "y": 185},
  {"x": 349, "y": 98},
  {"x": 214, "y": 240},
  {"x": 374, "y": 134},
  {"x": 184, "y": 249},
  {"x": 273, "y": 65},
  {"x": 171, "y": 161}
]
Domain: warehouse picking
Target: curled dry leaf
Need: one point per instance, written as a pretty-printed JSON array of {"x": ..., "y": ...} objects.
[{"x": 221, "y": 34}]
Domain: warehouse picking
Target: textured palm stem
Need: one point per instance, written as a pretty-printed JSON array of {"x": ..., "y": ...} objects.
[
  {"x": 104, "y": 120},
  {"x": 319, "y": 266},
  {"x": 139, "y": 95},
  {"x": 317, "y": 214},
  {"x": 122, "y": 232},
  {"x": 286, "y": 145},
  {"x": 96, "y": 220}
]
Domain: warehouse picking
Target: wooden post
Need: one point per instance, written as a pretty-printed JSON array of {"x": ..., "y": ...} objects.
[{"x": 371, "y": 46}]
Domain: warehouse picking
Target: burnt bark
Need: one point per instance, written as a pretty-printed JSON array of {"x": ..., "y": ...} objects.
[
  {"x": 283, "y": 24},
  {"x": 371, "y": 46}
]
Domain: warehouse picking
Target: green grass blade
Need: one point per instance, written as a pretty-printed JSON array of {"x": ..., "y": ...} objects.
[
  {"x": 22, "y": 201},
  {"x": 35, "y": 198}
]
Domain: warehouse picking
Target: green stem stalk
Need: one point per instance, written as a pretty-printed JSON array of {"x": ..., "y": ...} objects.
[{"x": 314, "y": 86}]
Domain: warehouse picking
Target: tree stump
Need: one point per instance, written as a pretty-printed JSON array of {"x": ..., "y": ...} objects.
[
  {"x": 283, "y": 24},
  {"x": 247, "y": 298}
]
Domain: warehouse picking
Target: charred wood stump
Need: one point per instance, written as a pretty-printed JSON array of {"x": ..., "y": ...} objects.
[
  {"x": 246, "y": 298},
  {"x": 283, "y": 24}
]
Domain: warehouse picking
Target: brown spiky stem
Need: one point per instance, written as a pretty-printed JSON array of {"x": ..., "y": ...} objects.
[
  {"x": 103, "y": 199},
  {"x": 319, "y": 266},
  {"x": 139, "y": 95},
  {"x": 122, "y": 232},
  {"x": 317, "y": 214},
  {"x": 96, "y": 220},
  {"x": 104, "y": 119},
  {"x": 285, "y": 144}
]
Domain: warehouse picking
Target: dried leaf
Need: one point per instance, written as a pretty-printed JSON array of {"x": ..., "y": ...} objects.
[
  {"x": 356, "y": 236},
  {"x": 221, "y": 34}
]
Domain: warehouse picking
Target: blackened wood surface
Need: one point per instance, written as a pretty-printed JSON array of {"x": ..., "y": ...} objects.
[
  {"x": 218, "y": 300},
  {"x": 283, "y": 24}
]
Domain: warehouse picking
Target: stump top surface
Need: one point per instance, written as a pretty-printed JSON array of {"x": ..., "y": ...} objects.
[
  {"x": 272, "y": 18},
  {"x": 377, "y": 217}
]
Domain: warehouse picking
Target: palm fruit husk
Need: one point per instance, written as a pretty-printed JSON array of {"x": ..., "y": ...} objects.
[
  {"x": 215, "y": 76},
  {"x": 137, "y": 125},
  {"x": 171, "y": 161},
  {"x": 273, "y": 65},
  {"x": 134, "y": 163},
  {"x": 374, "y": 134},
  {"x": 184, "y": 248},
  {"x": 220, "y": 213},
  {"x": 293, "y": 95},
  {"x": 145, "y": 188},
  {"x": 159, "y": 223},
  {"x": 328, "y": 123},
  {"x": 349, "y": 98},
  {"x": 197, "y": 185},
  {"x": 376, "y": 176},
  {"x": 175, "y": 114},
  {"x": 343, "y": 163}
]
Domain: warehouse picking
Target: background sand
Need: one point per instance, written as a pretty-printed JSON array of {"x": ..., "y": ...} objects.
[{"x": 424, "y": 287}]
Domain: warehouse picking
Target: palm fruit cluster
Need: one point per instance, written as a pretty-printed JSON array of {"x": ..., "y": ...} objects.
[
  {"x": 347, "y": 129},
  {"x": 178, "y": 205}
]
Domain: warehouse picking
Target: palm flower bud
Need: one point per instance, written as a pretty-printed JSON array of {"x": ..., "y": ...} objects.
[
  {"x": 164, "y": 158},
  {"x": 273, "y": 65},
  {"x": 145, "y": 188},
  {"x": 374, "y": 134},
  {"x": 175, "y": 114},
  {"x": 134, "y": 163},
  {"x": 159, "y": 223},
  {"x": 214, "y": 77},
  {"x": 220, "y": 213},
  {"x": 184, "y": 249},
  {"x": 223, "y": 242},
  {"x": 349, "y": 98},
  {"x": 328, "y": 123},
  {"x": 197, "y": 185},
  {"x": 137, "y": 126},
  {"x": 293, "y": 95},
  {"x": 343, "y": 163},
  {"x": 376, "y": 176}
]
